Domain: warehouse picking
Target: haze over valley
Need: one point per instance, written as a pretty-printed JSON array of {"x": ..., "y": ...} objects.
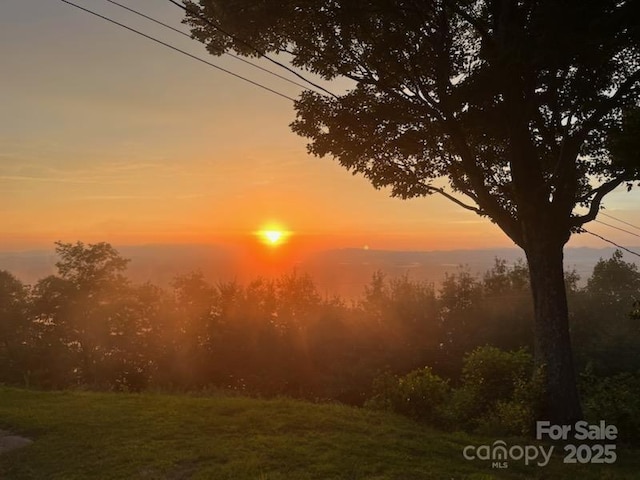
[{"x": 339, "y": 271}]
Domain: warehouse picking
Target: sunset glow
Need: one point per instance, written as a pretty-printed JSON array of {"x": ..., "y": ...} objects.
[
  {"x": 150, "y": 162},
  {"x": 273, "y": 236}
]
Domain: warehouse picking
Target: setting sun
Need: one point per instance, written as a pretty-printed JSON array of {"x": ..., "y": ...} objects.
[{"x": 273, "y": 236}]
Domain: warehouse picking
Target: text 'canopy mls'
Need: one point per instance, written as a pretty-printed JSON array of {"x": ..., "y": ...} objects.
[{"x": 528, "y": 108}]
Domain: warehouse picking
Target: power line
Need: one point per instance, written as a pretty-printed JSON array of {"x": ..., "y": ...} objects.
[
  {"x": 582, "y": 229},
  {"x": 140, "y": 14},
  {"x": 252, "y": 47},
  {"x": 179, "y": 50},
  {"x": 618, "y": 220},
  {"x": 617, "y": 228},
  {"x": 237, "y": 57}
]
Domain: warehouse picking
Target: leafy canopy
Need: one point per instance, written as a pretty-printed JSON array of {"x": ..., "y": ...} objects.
[{"x": 525, "y": 108}]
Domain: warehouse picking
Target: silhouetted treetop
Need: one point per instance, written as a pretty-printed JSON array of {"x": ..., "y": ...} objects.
[
  {"x": 513, "y": 101},
  {"x": 89, "y": 266}
]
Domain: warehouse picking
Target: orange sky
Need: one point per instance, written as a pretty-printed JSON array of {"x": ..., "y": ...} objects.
[{"x": 107, "y": 136}]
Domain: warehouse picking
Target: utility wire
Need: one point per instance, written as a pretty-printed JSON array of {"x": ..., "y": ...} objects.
[
  {"x": 621, "y": 221},
  {"x": 237, "y": 57},
  {"x": 179, "y": 50},
  {"x": 582, "y": 229},
  {"x": 617, "y": 228},
  {"x": 252, "y": 47}
]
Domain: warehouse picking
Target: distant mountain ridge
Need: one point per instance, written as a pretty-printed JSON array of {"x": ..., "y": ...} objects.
[
  {"x": 356, "y": 266},
  {"x": 338, "y": 271}
]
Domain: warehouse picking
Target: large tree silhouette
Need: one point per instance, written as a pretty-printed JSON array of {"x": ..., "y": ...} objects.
[{"x": 519, "y": 110}]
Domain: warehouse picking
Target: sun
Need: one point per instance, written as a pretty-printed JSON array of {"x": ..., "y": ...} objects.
[{"x": 273, "y": 235}]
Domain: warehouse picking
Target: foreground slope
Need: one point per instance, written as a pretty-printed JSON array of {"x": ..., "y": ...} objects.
[{"x": 83, "y": 435}]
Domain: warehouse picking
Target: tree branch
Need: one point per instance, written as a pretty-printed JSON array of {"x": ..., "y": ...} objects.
[
  {"x": 441, "y": 191},
  {"x": 599, "y": 193},
  {"x": 606, "y": 106},
  {"x": 474, "y": 22},
  {"x": 488, "y": 203}
]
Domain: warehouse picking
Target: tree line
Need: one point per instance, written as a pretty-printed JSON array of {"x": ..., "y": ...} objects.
[
  {"x": 89, "y": 326},
  {"x": 519, "y": 111}
]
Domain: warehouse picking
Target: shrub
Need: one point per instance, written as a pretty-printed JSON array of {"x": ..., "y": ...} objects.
[
  {"x": 615, "y": 399},
  {"x": 419, "y": 394},
  {"x": 499, "y": 393},
  {"x": 517, "y": 415},
  {"x": 494, "y": 374}
]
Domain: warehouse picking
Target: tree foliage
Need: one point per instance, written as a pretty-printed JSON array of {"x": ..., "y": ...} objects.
[
  {"x": 14, "y": 326},
  {"x": 279, "y": 336},
  {"x": 519, "y": 105},
  {"x": 610, "y": 293}
]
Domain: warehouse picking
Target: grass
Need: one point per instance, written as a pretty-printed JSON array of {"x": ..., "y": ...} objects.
[{"x": 84, "y": 435}]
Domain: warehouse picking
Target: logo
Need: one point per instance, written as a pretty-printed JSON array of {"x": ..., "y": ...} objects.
[
  {"x": 499, "y": 453},
  {"x": 592, "y": 450}
]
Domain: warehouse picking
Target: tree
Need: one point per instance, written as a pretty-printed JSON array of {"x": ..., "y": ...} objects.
[
  {"x": 95, "y": 299},
  {"x": 53, "y": 347},
  {"x": 405, "y": 315},
  {"x": 460, "y": 299},
  {"x": 606, "y": 334},
  {"x": 92, "y": 267},
  {"x": 197, "y": 329},
  {"x": 615, "y": 281},
  {"x": 505, "y": 310},
  {"x": 518, "y": 110},
  {"x": 14, "y": 328}
]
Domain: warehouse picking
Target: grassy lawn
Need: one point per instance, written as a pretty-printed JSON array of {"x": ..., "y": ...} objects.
[{"x": 82, "y": 435}]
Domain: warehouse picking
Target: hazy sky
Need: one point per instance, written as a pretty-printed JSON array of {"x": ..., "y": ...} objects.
[{"x": 105, "y": 135}]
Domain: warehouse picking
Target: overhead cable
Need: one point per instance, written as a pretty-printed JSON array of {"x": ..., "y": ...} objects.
[
  {"x": 165, "y": 44},
  {"x": 617, "y": 228},
  {"x": 236, "y": 57},
  {"x": 618, "y": 220},
  {"x": 251, "y": 46},
  {"x": 582, "y": 229}
]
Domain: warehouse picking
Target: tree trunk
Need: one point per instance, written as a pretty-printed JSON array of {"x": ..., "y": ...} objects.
[{"x": 561, "y": 404}]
